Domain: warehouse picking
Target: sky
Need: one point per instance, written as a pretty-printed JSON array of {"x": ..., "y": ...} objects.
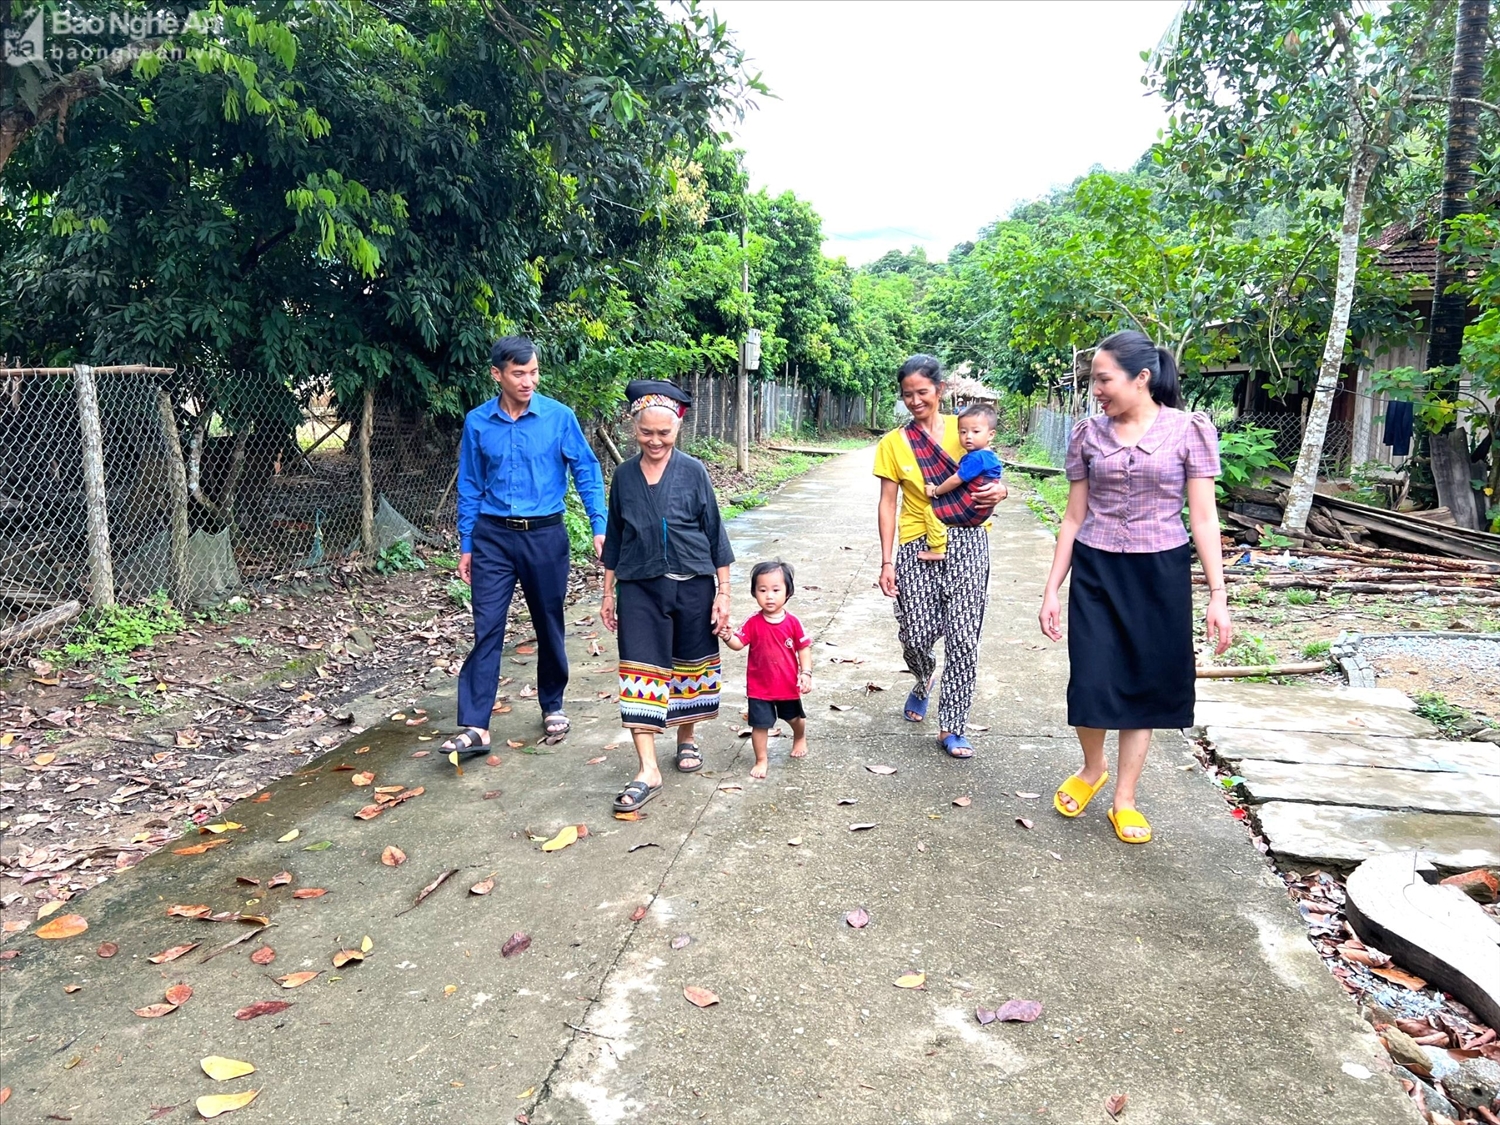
[{"x": 915, "y": 124}]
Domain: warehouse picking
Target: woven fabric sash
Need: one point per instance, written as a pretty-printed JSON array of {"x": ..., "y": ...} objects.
[{"x": 956, "y": 508}]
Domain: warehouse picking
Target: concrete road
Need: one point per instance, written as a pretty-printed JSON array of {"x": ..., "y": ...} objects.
[{"x": 1176, "y": 973}]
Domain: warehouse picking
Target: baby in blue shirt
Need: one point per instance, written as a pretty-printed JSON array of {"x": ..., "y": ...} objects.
[{"x": 980, "y": 465}]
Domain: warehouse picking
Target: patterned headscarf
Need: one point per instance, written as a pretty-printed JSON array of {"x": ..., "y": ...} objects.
[{"x": 643, "y": 394}]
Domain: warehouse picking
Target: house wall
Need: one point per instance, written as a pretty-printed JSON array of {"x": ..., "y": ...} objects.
[{"x": 1369, "y": 406}]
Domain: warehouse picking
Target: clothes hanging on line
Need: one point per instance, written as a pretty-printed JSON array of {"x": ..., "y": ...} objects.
[{"x": 1398, "y": 427}]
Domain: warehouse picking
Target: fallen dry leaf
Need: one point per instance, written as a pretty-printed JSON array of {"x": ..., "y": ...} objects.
[
  {"x": 263, "y": 956},
  {"x": 638, "y": 913},
  {"x": 840, "y": 706},
  {"x": 389, "y": 788},
  {"x": 44, "y": 759},
  {"x": 179, "y": 994},
  {"x": 221, "y": 1069},
  {"x": 513, "y": 744},
  {"x": 1023, "y": 822},
  {"x": 71, "y": 988},
  {"x": 4, "y": 1094},
  {"x": 526, "y": 650},
  {"x": 629, "y": 814},
  {"x": 491, "y": 794},
  {"x": 197, "y": 910},
  {"x": 393, "y": 856},
  {"x": 644, "y": 844},
  {"x": 884, "y": 771},
  {"x": 1405, "y": 979},
  {"x": 198, "y": 849},
  {"x": 309, "y": 892},
  {"x": 217, "y": 829},
  {"x": 962, "y": 802},
  {"x": 289, "y": 837},
  {"x": 1371, "y": 957},
  {"x": 364, "y": 777},
  {"x": 1027, "y": 796},
  {"x": 702, "y": 997},
  {"x": 568, "y": 835},
  {"x": 172, "y": 954},
  {"x": 154, "y": 1011},
  {"x": 297, "y": 980},
  {"x": 492, "y": 760},
  {"x": 984, "y": 1016},
  {"x": 862, "y": 827},
  {"x": 69, "y": 925},
  {"x": 1114, "y": 1105},
  {"x": 428, "y": 889},
  {"x": 49, "y": 908},
  {"x": 1019, "y": 1011},
  {"x": 516, "y": 943},
  {"x": 280, "y": 879},
  {"x": 108, "y": 949},
  {"x": 262, "y": 1008},
  {"x": 858, "y": 918},
  {"x": 344, "y": 956},
  {"x": 263, "y": 797},
  {"x": 483, "y": 887},
  {"x": 682, "y": 941},
  {"x": 211, "y": 1105},
  {"x": 910, "y": 980},
  {"x": 247, "y": 880}
]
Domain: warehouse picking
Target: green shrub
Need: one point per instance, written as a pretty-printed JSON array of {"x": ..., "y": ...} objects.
[
  {"x": 1246, "y": 458},
  {"x": 458, "y": 592},
  {"x": 1301, "y": 597},
  {"x": 576, "y": 523},
  {"x": 1314, "y": 649},
  {"x": 397, "y": 557},
  {"x": 118, "y": 630}
]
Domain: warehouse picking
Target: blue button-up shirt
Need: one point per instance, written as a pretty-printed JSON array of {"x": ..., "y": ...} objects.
[{"x": 519, "y": 467}]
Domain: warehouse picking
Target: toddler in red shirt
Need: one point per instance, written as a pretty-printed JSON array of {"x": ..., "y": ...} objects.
[{"x": 780, "y": 663}]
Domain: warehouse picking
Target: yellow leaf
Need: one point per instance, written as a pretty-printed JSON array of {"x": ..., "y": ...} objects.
[
  {"x": 366, "y": 945},
  {"x": 449, "y": 989},
  {"x": 6, "y": 740},
  {"x": 44, "y": 759},
  {"x": 48, "y": 908},
  {"x": 295, "y": 980},
  {"x": 453, "y": 757},
  {"x": 69, "y": 925},
  {"x": 211, "y": 1105},
  {"x": 221, "y": 1069},
  {"x": 289, "y": 837},
  {"x": 227, "y": 826},
  {"x": 911, "y": 980},
  {"x": 567, "y": 836},
  {"x": 344, "y": 956},
  {"x": 526, "y": 1093}
]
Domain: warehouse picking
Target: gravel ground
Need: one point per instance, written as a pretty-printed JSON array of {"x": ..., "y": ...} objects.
[{"x": 1477, "y": 655}]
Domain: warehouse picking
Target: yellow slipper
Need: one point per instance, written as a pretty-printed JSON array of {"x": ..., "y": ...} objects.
[
  {"x": 1079, "y": 791},
  {"x": 1130, "y": 818}
]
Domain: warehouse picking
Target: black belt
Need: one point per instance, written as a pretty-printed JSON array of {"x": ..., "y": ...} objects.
[{"x": 527, "y": 523}]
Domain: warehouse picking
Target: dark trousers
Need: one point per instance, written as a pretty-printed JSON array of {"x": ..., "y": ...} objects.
[{"x": 538, "y": 559}]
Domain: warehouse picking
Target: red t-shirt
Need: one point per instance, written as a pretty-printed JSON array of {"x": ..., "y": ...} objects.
[{"x": 772, "y": 671}]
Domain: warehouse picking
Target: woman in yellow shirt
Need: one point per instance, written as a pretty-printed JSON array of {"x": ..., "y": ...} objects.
[{"x": 940, "y": 597}]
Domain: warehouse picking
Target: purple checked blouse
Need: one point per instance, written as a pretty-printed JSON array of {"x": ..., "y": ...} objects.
[{"x": 1136, "y": 492}]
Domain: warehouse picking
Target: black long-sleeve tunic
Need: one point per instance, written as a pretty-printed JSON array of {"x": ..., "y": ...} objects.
[{"x": 673, "y": 528}]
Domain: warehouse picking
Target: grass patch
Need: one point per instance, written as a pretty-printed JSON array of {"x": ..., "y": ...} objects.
[
  {"x": 766, "y": 481},
  {"x": 1448, "y": 717},
  {"x": 458, "y": 592},
  {"x": 1301, "y": 597},
  {"x": 1315, "y": 650}
]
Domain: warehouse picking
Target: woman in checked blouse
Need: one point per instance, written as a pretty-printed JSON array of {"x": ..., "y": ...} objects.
[{"x": 1130, "y": 605}]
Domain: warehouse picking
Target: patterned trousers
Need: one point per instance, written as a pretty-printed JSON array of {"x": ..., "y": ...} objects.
[{"x": 944, "y": 599}]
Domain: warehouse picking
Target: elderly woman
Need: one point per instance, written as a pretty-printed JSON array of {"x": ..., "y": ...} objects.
[
  {"x": 943, "y": 597},
  {"x": 666, "y": 587}
]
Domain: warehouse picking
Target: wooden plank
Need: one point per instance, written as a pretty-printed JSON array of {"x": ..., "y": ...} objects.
[
  {"x": 1245, "y": 671},
  {"x": 814, "y": 450},
  {"x": 1437, "y": 932},
  {"x": 1345, "y": 835},
  {"x": 1032, "y": 470},
  {"x": 1233, "y": 744},
  {"x": 1371, "y": 787},
  {"x": 39, "y": 625}
]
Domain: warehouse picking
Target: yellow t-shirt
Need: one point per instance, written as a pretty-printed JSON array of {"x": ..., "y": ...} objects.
[{"x": 895, "y": 461}]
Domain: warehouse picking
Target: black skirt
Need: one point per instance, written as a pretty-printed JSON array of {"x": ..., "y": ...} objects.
[{"x": 1130, "y": 639}]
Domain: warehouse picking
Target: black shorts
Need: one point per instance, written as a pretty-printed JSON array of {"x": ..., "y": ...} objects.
[{"x": 765, "y": 712}]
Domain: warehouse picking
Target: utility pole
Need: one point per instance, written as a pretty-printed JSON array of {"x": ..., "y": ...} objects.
[{"x": 742, "y": 384}]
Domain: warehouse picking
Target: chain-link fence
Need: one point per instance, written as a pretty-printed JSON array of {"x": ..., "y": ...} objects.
[
  {"x": 1287, "y": 429},
  {"x": 118, "y": 482},
  {"x": 1051, "y": 430}
]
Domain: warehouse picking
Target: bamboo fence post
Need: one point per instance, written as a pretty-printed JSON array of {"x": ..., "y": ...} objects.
[
  {"x": 101, "y": 570},
  {"x": 367, "y": 479},
  {"x": 178, "y": 487}
]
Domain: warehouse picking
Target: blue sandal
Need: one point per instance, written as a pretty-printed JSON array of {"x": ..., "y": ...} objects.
[
  {"x": 952, "y": 744},
  {"x": 918, "y": 706}
]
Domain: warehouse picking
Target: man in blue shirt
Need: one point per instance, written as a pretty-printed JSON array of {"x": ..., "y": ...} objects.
[{"x": 513, "y": 464}]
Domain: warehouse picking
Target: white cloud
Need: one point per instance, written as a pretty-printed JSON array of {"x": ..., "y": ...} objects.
[{"x": 917, "y": 123}]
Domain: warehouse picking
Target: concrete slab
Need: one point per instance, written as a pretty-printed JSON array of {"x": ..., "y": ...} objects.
[
  {"x": 1313, "y": 715},
  {"x": 1176, "y": 973},
  {"x": 1240, "y": 691},
  {"x": 1231, "y": 744},
  {"x": 1371, "y": 788},
  {"x": 1343, "y": 835}
]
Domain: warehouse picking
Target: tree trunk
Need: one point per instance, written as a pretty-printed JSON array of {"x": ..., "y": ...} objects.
[
  {"x": 367, "y": 480},
  {"x": 1450, "y": 448},
  {"x": 101, "y": 568},
  {"x": 1305, "y": 478},
  {"x": 742, "y": 383},
  {"x": 177, "y": 486}
]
